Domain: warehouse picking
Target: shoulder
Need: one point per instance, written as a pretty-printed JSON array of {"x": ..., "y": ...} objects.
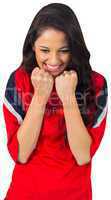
[
  {"x": 99, "y": 80},
  {"x": 18, "y": 74},
  {"x": 101, "y": 94},
  {"x": 21, "y": 79},
  {"x": 21, "y": 75},
  {"x": 19, "y": 85},
  {"x": 98, "y": 77}
]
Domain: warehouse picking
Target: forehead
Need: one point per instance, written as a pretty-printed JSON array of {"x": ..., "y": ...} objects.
[{"x": 52, "y": 36}]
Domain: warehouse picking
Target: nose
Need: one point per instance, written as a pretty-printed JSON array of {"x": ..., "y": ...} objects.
[{"x": 54, "y": 59}]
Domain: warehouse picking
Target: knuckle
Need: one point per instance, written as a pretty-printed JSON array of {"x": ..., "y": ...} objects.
[{"x": 36, "y": 69}]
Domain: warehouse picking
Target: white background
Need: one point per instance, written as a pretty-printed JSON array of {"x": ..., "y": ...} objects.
[{"x": 94, "y": 17}]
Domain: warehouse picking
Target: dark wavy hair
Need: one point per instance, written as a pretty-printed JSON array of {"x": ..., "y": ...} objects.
[{"x": 61, "y": 17}]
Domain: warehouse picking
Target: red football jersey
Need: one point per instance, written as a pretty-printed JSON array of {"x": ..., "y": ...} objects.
[{"x": 51, "y": 171}]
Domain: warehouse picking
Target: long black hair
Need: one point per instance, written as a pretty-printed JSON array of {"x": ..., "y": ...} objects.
[{"x": 61, "y": 17}]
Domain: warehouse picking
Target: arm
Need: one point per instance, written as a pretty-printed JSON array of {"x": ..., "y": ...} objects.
[
  {"x": 83, "y": 140},
  {"x": 21, "y": 125},
  {"x": 28, "y": 132},
  {"x": 78, "y": 136}
]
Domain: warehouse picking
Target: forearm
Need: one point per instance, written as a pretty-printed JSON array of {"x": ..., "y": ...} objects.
[
  {"x": 28, "y": 132},
  {"x": 78, "y": 136}
]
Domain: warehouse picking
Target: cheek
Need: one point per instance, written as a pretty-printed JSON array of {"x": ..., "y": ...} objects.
[
  {"x": 40, "y": 57},
  {"x": 66, "y": 58}
]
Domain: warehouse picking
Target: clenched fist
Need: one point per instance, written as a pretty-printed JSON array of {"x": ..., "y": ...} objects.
[
  {"x": 42, "y": 82},
  {"x": 66, "y": 85}
]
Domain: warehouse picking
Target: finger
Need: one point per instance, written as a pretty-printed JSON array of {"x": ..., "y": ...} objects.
[
  {"x": 71, "y": 71},
  {"x": 50, "y": 80},
  {"x": 37, "y": 69},
  {"x": 41, "y": 71},
  {"x": 39, "y": 78},
  {"x": 65, "y": 73},
  {"x": 34, "y": 69},
  {"x": 45, "y": 78},
  {"x": 47, "y": 73}
]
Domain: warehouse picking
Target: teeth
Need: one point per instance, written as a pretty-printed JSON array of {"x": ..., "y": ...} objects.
[{"x": 52, "y": 67}]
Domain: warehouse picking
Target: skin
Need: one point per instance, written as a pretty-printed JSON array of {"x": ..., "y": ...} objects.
[
  {"x": 53, "y": 40},
  {"x": 52, "y": 48},
  {"x": 42, "y": 81},
  {"x": 52, "y": 52}
]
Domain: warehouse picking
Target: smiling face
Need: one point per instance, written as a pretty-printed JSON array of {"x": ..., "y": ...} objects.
[{"x": 52, "y": 51}]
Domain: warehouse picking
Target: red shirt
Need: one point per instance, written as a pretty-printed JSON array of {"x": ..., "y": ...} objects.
[{"x": 51, "y": 171}]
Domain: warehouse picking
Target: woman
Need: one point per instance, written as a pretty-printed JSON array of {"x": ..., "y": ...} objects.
[{"x": 55, "y": 110}]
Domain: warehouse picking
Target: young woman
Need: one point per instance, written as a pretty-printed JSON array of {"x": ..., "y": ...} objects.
[{"x": 55, "y": 110}]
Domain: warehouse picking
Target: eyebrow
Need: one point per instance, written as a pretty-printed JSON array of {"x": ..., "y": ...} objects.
[{"x": 59, "y": 48}]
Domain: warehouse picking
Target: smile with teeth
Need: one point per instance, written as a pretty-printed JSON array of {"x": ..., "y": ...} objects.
[{"x": 52, "y": 68}]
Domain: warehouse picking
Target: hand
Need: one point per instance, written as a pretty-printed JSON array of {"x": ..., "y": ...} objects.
[
  {"x": 42, "y": 82},
  {"x": 66, "y": 85}
]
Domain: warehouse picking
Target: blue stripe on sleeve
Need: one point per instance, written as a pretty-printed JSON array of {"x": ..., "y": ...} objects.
[{"x": 12, "y": 100}]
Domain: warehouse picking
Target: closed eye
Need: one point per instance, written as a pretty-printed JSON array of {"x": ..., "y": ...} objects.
[
  {"x": 64, "y": 51},
  {"x": 44, "y": 50}
]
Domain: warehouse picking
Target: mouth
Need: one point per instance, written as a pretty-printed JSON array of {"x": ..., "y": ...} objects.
[{"x": 54, "y": 68}]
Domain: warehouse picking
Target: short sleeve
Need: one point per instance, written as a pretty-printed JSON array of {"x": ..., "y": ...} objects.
[
  {"x": 13, "y": 115},
  {"x": 98, "y": 128}
]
